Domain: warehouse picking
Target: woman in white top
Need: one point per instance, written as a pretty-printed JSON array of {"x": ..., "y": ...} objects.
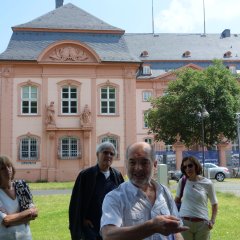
[
  {"x": 16, "y": 206},
  {"x": 194, "y": 206}
]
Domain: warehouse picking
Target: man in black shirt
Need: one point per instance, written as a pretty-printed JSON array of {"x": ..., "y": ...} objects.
[{"x": 89, "y": 190}]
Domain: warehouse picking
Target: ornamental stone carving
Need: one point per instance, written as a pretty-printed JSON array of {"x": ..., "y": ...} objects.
[
  {"x": 68, "y": 54},
  {"x": 85, "y": 116},
  {"x": 6, "y": 72}
]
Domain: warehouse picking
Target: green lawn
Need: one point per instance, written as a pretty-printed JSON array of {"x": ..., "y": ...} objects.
[
  {"x": 52, "y": 223},
  {"x": 51, "y": 185}
]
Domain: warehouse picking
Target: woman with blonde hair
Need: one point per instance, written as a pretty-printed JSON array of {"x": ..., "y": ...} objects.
[{"x": 16, "y": 205}]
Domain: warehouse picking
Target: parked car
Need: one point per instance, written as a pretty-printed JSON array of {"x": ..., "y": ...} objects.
[
  {"x": 175, "y": 175},
  {"x": 210, "y": 171},
  {"x": 213, "y": 171}
]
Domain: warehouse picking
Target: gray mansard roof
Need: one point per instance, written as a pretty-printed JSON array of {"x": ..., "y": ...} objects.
[
  {"x": 112, "y": 44},
  {"x": 172, "y": 46},
  {"x": 67, "y": 23},
  {"x": 29, "y": 45},
  {"x": 69, "y": 17}
]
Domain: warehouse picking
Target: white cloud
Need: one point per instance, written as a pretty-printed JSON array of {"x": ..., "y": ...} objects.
[{"x": 187, "y": 15}]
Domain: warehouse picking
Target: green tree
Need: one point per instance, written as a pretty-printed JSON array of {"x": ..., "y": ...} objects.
[{"x": 177, "y": 112}]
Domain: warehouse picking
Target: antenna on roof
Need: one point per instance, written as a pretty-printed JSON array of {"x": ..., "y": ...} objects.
[
  {"x": 152, "y": 19},
  {"x": 204, "y": 28}
]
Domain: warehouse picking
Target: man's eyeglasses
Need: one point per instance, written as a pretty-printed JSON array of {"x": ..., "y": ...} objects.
[
  {"x": 190, "y": 165},
  {"x": 108, "y": 153}
]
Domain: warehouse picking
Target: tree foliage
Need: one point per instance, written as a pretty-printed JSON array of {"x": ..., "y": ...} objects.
[{"x": 177, "y": 112}]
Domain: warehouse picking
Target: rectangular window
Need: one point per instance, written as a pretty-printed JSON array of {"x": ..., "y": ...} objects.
[
  {"x": 233, "y": 69},
  {"x": 146, "y": 70},
  {"x": 29, "y": 95},
  {"x": 28, "y": 149},
  {"x": 148, "y": 140},
  {"x": 146, "y": 95},
  {"x": 69, "y": 148},
  {"x": 168, "y": 148},
  {"x": 145, "y": 123},
  {"x": 111, "y": 140},
  {"x": 69, "y": 100},
  {"x": 108, "y": 100}
]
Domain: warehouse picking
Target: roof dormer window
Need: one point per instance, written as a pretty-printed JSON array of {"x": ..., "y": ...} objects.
[
  {"x": 186, "y": 54},
  {"x": 146, "y": 70},
  {"x": 232, "y": 69},
  {"x": 144, "y": 54},
  {"x": 227, "y": 54}
]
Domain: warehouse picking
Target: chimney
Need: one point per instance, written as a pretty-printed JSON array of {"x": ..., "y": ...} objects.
[
  {"x": 226, "y": 33},
  {"x": 59, "y": 3}
]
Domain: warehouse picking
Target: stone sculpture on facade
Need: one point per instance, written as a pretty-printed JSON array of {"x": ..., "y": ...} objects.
[
  {"x": 85, "y": 116},
  {"x": 50, "y": 120}
]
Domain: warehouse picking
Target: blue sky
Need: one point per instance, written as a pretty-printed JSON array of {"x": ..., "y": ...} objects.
[{"x": 132, "y": 15}]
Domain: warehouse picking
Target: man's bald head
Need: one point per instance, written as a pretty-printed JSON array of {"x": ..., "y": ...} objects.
[{"x": 141, "y": 147}]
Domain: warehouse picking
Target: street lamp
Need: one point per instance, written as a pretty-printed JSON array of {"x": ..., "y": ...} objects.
[
  {"x": 203, "y": 114},
  {"x": 238, "y": 131}
]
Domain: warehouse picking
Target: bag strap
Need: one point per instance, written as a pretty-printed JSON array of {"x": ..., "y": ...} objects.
[{"x": 184, "y": 180}]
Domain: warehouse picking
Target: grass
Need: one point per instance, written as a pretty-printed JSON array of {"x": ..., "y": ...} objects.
[
  {"x": 228, "y": 218},
  {"x": 52, "y": 223},
  {"x": 51, "y": 185}
]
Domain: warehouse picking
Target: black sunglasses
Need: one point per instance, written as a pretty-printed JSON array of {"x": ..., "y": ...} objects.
[
  {"x": 108, "y": 153},
  {"x": 190, "y": 165}
]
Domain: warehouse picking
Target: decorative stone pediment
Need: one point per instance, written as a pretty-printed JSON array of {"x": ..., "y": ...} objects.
[{"x": 68, "y": 53}]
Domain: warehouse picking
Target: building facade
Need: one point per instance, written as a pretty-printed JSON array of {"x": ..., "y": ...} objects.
[{"x": 69, "y": 81}]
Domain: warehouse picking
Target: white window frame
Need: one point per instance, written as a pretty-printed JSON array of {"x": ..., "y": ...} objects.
[
  {"x": 235, "y": 145},
  {"x": 232, "y": 69},
  {"x": 29, "y": 99},
  {"x": 31, "y": 146},
  {"x": 146, "y": 95},
  {"x": 108, "y": 100},
  {"x": 148, "y": 140},
  {"x": 110, "y": 139},
  {"x": 114, "y": 139},
  {"x": 145, "y": 125},
  {"x": 147, "y": 70},
  {"x": 69, "y": 100},
  {"x": 169, "y": 148},
  {"x": 69, "y": 149}
]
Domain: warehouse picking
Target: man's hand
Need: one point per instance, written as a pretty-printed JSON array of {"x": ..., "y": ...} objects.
[{"x": 166, "y": 225}]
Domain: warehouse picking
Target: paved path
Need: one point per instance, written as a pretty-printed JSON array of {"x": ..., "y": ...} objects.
[
  {"x": 225, "y": 186},
  {"x": 228, "y": 185}
]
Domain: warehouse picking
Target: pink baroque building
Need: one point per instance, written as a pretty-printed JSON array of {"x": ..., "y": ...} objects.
[
  {"x": 66, "y": 85},
  {"x": 69, "y": 81}
]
